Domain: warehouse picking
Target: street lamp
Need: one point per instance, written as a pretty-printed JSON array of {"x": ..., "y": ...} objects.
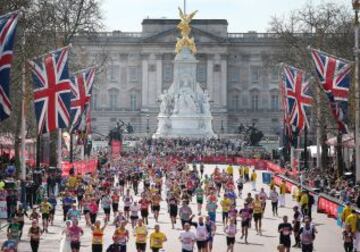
[
  {"x": 356, "y": 7},
  {"x": 147, "y": 124}
]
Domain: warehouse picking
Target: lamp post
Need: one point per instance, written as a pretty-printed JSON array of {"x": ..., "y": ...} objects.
[
  {"x": 147, "y": 125},
  {"x": 356, "y": 7}
]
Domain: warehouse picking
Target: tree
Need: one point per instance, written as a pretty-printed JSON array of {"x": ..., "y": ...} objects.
[
  {"x": 46, "y": 24},
  {"x": 326, "y": 26}
]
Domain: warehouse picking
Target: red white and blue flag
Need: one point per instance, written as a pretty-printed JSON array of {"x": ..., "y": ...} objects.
[
  {"x": 297, "y": 98},
  {"x": 7, "y": 36},
  {"x": 52, "y": 90},
  {"x": 334, "y": 77},
  {"x": 81, "y": 87}
]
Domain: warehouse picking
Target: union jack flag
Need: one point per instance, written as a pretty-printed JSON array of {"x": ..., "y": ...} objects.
[
  {"x": 298, "y": 100},
  {"x": 81, "y": 87},
  {"x": 52, "y": 93},
  {"x": 7, "y": 34},
  {"x": 334, "y": 77}
]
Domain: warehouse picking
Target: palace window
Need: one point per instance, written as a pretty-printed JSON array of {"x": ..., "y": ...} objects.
[
  {"x": 113, "y": 98},
  {"x": 255, "y": 102},
  {"x": 133, "y": 74},
  {"x": 167, "y": 72},
  {"x": 235, "y": 103},
  {"x": 133, "y": 105},
  {"x": 201, "y": 72},
  {"x": 114, "y": 73},
  {"x": 274, "y": 102},
  {"x": 255, "y": 74},
  {"x": 234, "y": 74}
]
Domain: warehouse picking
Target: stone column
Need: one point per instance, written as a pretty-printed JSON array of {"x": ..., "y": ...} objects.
[
  {"x": 223, "y": 83},
  {"x": 210, "y": 77},
  {"x": 145, "y": 84},
  {"x": 158, "y": 75}
]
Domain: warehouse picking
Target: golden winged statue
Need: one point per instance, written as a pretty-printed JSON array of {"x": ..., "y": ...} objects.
[{"x": 185, "y": 29}]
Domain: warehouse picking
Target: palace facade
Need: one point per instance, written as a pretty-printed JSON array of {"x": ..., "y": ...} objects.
[{"x": 135, "y": 68}]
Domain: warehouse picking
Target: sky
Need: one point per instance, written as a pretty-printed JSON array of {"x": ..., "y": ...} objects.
[{"x": 242, "y": 15}]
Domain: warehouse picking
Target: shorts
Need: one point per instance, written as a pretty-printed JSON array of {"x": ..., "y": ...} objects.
[
  {"x": 134, "y": 217},
  {"x": 86, "y": 211},
  {"x": 126, "y": 208},
  {"x": 144, "y": 213},
  {"x": 201, "y": 244},
  {"x": 173, "y": 212},
  {"x": 107, "y": 210},
  {"x": 52, "y": 211},
  {"x": 245, "y": 223},
  {"x": 286, "y": 241},
  {"x": 141, "y": 246},
  {"x": 115, "y": 207},
  {"x": 200, "y": 201},
  {"x": 230, "y": 241},
  {"x": 257, "y": 216},
  {"x": 45, "y": 216},
  {"x": 75, "y": 245},
  {"x": 155, "y": 208}
]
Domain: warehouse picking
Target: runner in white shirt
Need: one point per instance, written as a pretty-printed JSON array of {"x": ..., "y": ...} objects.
[
  {"x": 201, "y": 235},
  {"x": 230, "y": 232},
  {"x": 134, "y": 214},
  {"x": 187, "y": 239}
]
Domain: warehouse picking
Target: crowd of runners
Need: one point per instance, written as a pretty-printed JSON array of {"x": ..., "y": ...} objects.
[{"x": 130, "y": 191}]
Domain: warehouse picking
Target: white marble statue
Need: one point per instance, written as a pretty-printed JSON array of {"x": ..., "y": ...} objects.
[{"x": 165, "y": 106}]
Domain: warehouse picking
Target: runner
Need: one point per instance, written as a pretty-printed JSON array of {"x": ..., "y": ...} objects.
[
  {"x": 274, "y": 197},
  {"x": 285, "y": 230},
  {"x": 202, "y": 235},
  {"x": 97, "y": 234},
  {"x": 199, "y": 192},
  {"x": 106, "y": 206},
  {"x": 257, "y": 214},
  {"x": 45, "y": 208},
  {"x": 121, "y": 237},
  {"x": 211, "y": 228},
  {"x": 127, "y": 199},
  {"x": 185, "y": 214},
  {"x": 35, "y": 234},
  {"x": 75, "y": 233},
  {"x": 157, "y": 239},
  {"x": 230, "y": 232},
  {"x": 140, "y": 236},
  {"x": 173, "y": 209},
  {"x": 144, "y": 208},
  {"x": 187, "y": 239},
  {"x": 307, "y": 235},
  {"x": 134, "y": 214},
  {"x": 245, "y": 215}
]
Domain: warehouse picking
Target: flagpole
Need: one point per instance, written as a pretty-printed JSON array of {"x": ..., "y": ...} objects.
[
  {"x": 23, "y": 118},
  {"x": 59, "y": 159},
  {"x": 71, "y": 147},
  {"x": 318, "y": 130},
  {"x": 357, "y": 102}
]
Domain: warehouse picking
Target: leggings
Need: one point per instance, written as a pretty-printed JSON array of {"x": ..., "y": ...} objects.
[
  {"x": 34, "y": 245},
  {"x": 348, "y": 246},
  {"x": 274, "y": 207}
]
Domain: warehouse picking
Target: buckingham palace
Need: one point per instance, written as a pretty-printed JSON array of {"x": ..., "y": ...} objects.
[{"x": 236, "y": 69}]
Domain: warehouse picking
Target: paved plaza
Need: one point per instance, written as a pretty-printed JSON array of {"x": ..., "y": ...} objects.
[{"x": 328, "y": 237}]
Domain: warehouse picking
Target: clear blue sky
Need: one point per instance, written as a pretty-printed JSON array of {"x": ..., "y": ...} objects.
[{"x": 242, "y": 15}]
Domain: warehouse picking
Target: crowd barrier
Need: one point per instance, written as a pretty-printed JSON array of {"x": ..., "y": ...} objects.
[
  {"x": 80, "y": 167},
  {"x": 259, "y": 164}
]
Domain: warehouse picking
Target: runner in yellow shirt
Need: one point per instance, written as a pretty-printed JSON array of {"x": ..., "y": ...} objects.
[
  {"x": 241, "y": 171},
  {"x": 346, "y": 211},
  {"x": 351, "y": 220},
  {"x": 140, "y": 236},
  {"x": 45, "y": 208},
  {"x": 230, "y": 170},
  {"x": 282, "y": 194},
  {"x": 157, "y": 239},
  {"x": 253, "y": 180},
  {"x": 225, "y": 204}
]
